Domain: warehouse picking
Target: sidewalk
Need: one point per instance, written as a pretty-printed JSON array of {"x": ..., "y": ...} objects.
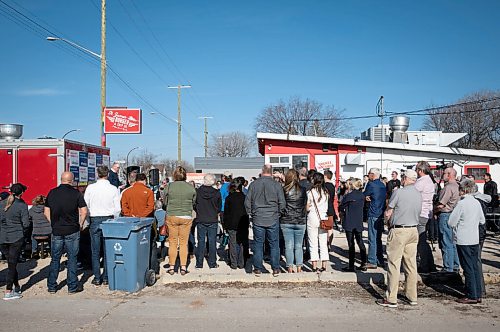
[{"x": 338, "y": 260}]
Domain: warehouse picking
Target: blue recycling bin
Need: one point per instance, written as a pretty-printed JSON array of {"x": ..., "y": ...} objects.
[{"x": 127, "y": 245}]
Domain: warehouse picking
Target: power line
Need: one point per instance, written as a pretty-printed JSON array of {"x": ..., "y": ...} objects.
[{"x": 425, "y": 111}]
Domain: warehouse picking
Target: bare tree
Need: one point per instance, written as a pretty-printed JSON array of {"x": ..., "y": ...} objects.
[
  {"x": 233, "y": 144},
  {"x": 145, "y": 160},
  {"x": 168, "y": 166},
  {"x": 302, "y": 117},
  {"x": 479, "y": 117}
]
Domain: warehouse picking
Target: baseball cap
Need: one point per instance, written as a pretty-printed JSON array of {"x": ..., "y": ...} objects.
[
  {"x": 411, "y": 174},
  {"x": 228, "y": 174},
  {"x": 18, "y": 188},
  {"x": 4, "y": 195}
]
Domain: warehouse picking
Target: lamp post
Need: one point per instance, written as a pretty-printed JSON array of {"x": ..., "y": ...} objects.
[
  {"x": 101, "y": 57},
  {"x": 137, "y": 147},
  {"x": 69, "y": 132},
  {"x": 179, "y": 130}
]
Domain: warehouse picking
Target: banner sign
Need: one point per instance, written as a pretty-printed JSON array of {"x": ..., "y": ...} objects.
[{"x": 122, "y": 121}]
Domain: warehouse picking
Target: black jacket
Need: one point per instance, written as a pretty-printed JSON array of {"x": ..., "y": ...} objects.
[
  {"x": 295, "y": 210},
  {"x": 113, "y": 178},
  {"x": 208, "y": 204},
  {"x": 352, "y": 205},
  {"x": 235, "y": 215},
  {"x": 490, "y": 188},
  {"x": 265, "y": 201}
]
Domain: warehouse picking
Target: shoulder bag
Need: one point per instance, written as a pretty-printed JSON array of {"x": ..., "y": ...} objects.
[
  {"x": 326, "y": 224},
  {"x": 164, "y": 228}
]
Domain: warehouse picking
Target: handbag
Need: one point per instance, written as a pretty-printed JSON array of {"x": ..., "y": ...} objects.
[
  {"x": 326, "y": 224},
  {"x": 224, "y": 240},
  {"x": 164, "y": 230}
]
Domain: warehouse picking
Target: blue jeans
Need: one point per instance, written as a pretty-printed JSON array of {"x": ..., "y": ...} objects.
[
  {"x": 260, "y": 233},
  {"x": 469, "y": 259},
  {"x": 96, "y": 241},
  {"x": 375, "y": 230},
  {"x": 208, "y": 231},
  {"x": 294, "y": 236},
  {"x": 58, "y": 243},
  {"x": 448, "y": 248}
]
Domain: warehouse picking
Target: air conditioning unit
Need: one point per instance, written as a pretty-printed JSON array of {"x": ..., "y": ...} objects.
[{"x": 354, "y": 159}]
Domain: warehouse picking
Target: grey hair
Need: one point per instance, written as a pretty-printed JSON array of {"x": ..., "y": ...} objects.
[
  {"x": 158, "y": 205},
  {"x": 209, "y": 180},
  {"x": 424, "y": 167},
  {"x": 375, "y": 171},
  {"x": 468, "y": 186}
]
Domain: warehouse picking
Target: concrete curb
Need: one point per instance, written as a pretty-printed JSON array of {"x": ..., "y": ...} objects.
[{"x": 376, "y": 277}]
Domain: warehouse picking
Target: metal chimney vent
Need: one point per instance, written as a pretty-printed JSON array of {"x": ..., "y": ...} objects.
[{"x": 11, "y": 131}]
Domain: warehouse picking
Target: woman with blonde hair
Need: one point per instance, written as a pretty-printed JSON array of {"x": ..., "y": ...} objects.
[
  {"x": 14, "y": 222},
  {"x": 180, "y": 199},
  {"x": 317, "y": 206},
  {"x": 352, "y": 209}
]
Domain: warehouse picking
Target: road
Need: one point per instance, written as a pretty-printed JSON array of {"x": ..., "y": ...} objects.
[{"x": 247, "y": 307}]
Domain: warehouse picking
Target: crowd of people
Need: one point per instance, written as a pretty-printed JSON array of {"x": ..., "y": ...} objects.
[{"x": 291, "y": 216}]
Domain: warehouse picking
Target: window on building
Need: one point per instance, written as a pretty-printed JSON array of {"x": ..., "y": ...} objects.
[
  {"x": 477, "y": 171},
  {"x": 284, "y": 160},
  {"x": 300, "y": 161},
  {"x": 274, "y": 160}
]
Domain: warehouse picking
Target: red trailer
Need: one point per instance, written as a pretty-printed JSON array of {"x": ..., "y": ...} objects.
[{"x": 38, "y": 163}]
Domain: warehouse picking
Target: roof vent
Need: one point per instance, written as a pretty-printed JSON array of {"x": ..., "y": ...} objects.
[
  {"x": 399, "y": 125},
  {"x": 11, "y": 131}
]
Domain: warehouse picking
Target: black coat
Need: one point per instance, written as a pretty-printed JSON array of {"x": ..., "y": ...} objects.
[
  {"x": 235, "y": 215},
  {"x": 14, "y": 222},
  {"x": 352, "y": 206},
  {"x": 208, "y": 205},
  {"x": 295, "y": 211}
]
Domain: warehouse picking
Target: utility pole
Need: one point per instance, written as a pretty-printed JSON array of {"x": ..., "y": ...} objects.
[
  {"x": 179, "y": 128},
  {"x": 103, "y": 70},
  {"x": 206, "y": 133},
  {"x": 381, "y": 114}
]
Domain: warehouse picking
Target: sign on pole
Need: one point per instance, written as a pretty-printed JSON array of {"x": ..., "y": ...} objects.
[{"x": 122, "y": 121}]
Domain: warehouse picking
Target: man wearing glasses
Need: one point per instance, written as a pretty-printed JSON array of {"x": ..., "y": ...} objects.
[{"x": 448, "y": 198}]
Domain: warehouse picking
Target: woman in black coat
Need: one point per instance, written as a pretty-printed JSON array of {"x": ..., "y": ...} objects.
[
  {"x": 352, "y": 208},
  {"x": 14, "y": 221},
  {"x": 236, "y": 223}
]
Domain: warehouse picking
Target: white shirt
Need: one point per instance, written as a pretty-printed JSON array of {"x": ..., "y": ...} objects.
[
  {"x": 322, "y": 204},
  {"x": 103, "y": 199}
]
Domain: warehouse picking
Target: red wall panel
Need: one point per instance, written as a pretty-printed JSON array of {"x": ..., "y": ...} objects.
[
  {"x": 37, "y": 171},
  {"x": 6, "y": 169}
]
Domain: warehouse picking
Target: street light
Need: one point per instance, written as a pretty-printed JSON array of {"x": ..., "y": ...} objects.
[
  {"x": 72, "y": 130},
  {"x": 101, "y": 57},
  {"x": 163, "y": 115},
  {"x": 137, "y": 147}
]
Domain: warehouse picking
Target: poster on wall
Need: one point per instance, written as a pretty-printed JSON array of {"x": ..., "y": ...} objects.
[
  {"x": 325, "y": 161},
  {"x": 73, "y": 158},
  {"x": 84, "y": 165},
  {"x": 105, "y": 160},
  {"x": 92, "y": 160}
]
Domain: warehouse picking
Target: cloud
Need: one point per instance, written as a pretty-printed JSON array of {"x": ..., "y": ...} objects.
[{"x": 41, "y": 92}]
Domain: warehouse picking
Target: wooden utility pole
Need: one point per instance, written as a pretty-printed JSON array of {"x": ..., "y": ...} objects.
[
  {"x": 179, "y": 127},
  {"x": 103, "y": 70},
  {"x": 206, "y": 133}
]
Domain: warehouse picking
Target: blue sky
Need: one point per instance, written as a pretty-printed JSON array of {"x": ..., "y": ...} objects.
[{"x": 239, "y": 57}]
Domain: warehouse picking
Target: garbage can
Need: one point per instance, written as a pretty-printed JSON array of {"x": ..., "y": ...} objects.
[{"x": 127, "y": 245}]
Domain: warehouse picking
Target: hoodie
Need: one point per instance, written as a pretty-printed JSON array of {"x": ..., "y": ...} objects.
[
  {"x": 41, "y": 226},
  {"x": 208, "y": 204}
]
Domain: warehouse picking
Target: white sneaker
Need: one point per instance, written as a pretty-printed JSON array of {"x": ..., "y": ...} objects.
[{"x": 11, "y": 296}]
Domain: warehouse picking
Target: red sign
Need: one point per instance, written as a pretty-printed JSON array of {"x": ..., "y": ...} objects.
[{"x": 122, "y": 121}]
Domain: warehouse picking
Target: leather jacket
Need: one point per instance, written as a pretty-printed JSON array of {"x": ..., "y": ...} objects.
[{"x": 295, "y": 211}]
